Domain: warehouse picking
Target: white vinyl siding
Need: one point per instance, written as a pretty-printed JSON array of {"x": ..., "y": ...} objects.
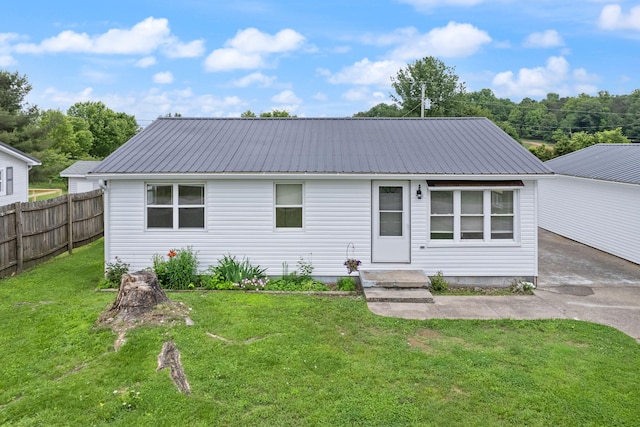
[
  {"x": 508, "y": 258},
  {"x": 240, "y": 218},
  {"x": 82, "y": 185},
  {"x": 16, "y": 181},
  {"x": 601, "y": 214}
]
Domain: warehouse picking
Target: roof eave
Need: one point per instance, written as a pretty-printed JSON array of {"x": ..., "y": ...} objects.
[{"x": 311, "y": 175}]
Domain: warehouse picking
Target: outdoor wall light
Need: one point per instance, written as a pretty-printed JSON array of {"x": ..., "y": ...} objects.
[{"x": 419, "y": 192}]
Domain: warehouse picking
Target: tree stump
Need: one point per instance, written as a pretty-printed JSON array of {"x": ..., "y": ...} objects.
[{"x": 139, "y": 292}]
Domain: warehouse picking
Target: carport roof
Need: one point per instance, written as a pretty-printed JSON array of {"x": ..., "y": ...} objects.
[
  {"x": 463, "y": 146},
  {"x": 607, "y": 162}
]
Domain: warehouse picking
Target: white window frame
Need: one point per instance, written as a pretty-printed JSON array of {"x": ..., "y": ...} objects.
[
  {"x": 276, "y": 206},
  {"x": 175, "y": 206},
  {"x": 3, "y": 183},
  {"x": 486, "y": 214}
]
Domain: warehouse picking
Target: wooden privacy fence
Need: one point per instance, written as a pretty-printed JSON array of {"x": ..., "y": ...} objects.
[{"x": 33, "y": 232}]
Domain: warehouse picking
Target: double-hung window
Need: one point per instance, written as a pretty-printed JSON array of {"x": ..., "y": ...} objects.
[
  {"x": 288, "y": 206},
  {"x": 472, "y": 215},
  {"x": 175, "y": 206}
]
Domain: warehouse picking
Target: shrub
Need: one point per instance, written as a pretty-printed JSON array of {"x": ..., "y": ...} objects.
[
  {"x": 113, "y": 273},
  {"x": 229, "y": 269},
  {"x": 179, "y": 271},
  {"x": 346, "y": 284},
  {"x": 438, "y": 282},
  {"x": 521, "y": 287},
  {"x": 299, "y": 280}
]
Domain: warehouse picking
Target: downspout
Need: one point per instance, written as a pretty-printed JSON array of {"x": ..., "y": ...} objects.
[{"x": 107, "y": 223}]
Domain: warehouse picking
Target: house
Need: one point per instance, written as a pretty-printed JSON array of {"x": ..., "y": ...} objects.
[
  {"x": 456, "y": 195},
  {"x": 14, "y": 174},
  {"x": 77, "y": 176},
  {"x": 595, "y": 198}
]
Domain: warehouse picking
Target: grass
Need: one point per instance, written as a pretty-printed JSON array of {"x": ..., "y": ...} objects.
[
  {"x": 316, "y": 361},
  {"x": 46, "y": 190}
]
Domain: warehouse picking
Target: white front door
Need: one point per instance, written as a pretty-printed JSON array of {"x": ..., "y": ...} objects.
[{"x": 391, "y": 234}]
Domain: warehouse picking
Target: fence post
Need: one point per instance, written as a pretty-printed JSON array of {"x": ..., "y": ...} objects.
[
  {"x": 19, "y": 247},
  {"x": 70, "y": 225}
]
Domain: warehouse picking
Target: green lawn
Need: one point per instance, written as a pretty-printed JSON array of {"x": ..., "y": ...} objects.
[{"x": 318, "y": 361}]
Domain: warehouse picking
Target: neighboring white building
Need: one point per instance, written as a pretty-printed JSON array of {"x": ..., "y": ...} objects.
[
  {"x": 14, "y": 174},
  {"x": 595, "y": 198},
  {"x": 451, "y": 195},
  {"x": 78, "y": 179}
]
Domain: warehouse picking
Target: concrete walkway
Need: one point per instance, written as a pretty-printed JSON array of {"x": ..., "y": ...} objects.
[{"x": 575, "y": 282}]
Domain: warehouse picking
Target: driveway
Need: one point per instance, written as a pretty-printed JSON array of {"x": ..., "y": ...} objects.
[
  {"x": 574, "y": 282},
  {"x": 587, "y": 284}
]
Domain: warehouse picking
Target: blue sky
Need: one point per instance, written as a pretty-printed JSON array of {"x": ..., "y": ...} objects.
[{"x": 330, "y": 58}]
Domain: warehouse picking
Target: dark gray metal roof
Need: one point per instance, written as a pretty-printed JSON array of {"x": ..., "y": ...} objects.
[
  {"x": 80, "y": 168},
  {"x": 19, "y": 154},
  {"x": 609, "y": 162},
  {"x": 473, "y": 146}
]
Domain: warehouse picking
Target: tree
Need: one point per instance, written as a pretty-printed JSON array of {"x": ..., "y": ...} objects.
[
  {"x": 381, "y": 110},
  {"x": 16, "y": 116},
  {"x": 109, "y": 129},
  {"x": 441, "y": 86},
  {"x": 67, "y": 135},
  {"x": 585, "y": 113},
  {"x": 248, "y": 113},
  {"x": 276, "y": 113}
]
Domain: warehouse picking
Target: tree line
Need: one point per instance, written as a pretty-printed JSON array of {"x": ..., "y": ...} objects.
[
  {"x": 91, "y": 131},
  {"x": 565, "y": 123}
]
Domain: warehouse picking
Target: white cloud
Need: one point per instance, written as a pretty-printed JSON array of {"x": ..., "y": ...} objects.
[
  {"x": 165, "y": 77},
  {"x": 286, "y": 97},
  {"x": 7, "y": 60},
  {"x": 452, "y": 41},
  {"x": 255, "y": 78},
  {"x": 143, "y": 38},
  {"x": 548, "y": 38},
  {"x": 556, "y": 76},
  {"x": 366, "y": 72},
  {"x": 175, "y": 49},
  {"x": 612, "y": 18},
  {"x": 146, "y": 62},
  {"x": 66, "y": 99},
  {"x": 250, "y": 48}
]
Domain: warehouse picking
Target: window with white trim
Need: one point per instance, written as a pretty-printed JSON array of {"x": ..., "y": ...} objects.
[
  {"x": 175, "y": 206},
  {"x": 472, "y": 215},
  {"x": 2, "y": 183},
  {"x": 288, "y": 205}
]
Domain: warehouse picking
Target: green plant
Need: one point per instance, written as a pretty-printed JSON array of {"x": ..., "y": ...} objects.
[
  {"x": 127, "y": 399},
  {"x": 352, "y": 264},
  {"x": 438, "y": 282},
  {"x": 346, "y": 284},
  {"x": 229, "y": 269},
  {"x": 179, "y": 270},
  {"x": 113, "y": 273},
  {"x": 519, "y": 286},
  {"x": 305, "y": 268}
]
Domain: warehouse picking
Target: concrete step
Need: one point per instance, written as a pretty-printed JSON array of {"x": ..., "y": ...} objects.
[
  {"x": 394, "y": 279},
  {"x": 407, "y": 295}
]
